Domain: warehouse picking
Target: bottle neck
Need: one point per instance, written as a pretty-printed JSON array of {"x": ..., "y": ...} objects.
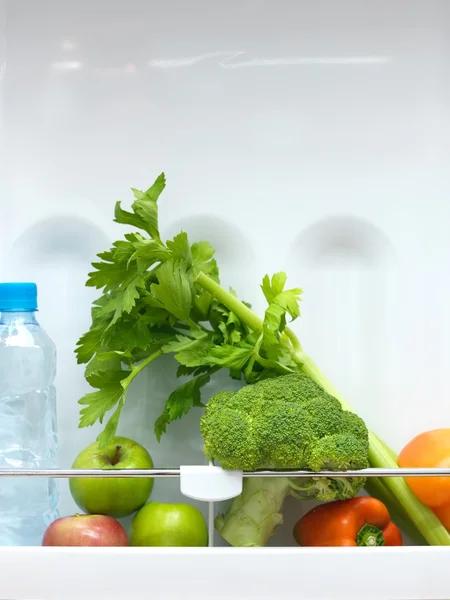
[{"x": 22, "y": 317}]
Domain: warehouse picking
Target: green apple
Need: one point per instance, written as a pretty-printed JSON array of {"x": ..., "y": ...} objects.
[
  {"x": 115, "y": 497},
  {"x": 157, "y": 524}
]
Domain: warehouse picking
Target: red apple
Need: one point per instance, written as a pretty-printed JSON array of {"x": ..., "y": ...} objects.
[{"x": 85, "y": 530}]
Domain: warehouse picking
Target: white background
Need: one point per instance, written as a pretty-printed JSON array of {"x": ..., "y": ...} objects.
[{"x": 311, "y": 137}]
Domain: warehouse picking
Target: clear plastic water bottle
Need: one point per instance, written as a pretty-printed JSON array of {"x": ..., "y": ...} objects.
[{"x": 28, "y": 436}]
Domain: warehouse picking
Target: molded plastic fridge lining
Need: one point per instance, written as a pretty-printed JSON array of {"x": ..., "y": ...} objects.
[{"x": 306, "y": 137}]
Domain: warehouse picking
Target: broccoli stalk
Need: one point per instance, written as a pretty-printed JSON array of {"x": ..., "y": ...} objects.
[
  {"x": 253, "y": 516},
  {"x": 379, "y": 454}
]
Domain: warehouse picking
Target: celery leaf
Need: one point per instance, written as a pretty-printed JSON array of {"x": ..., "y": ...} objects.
[
  {"x": 179, "y": 403},
  {"x": 173, "y": 289}
]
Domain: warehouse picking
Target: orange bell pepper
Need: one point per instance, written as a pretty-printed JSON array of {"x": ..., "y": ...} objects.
[
  {"x": 430, "y": 449},
  {"x": 361, "y": 521}
]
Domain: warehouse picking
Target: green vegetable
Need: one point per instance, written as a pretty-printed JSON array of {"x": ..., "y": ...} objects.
[
  {"x": 287, "y": 422},
  {"x": 165, "y": 298}
]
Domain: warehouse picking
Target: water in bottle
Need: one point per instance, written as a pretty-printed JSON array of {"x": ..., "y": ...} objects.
[{"x": 28, "y": 436}]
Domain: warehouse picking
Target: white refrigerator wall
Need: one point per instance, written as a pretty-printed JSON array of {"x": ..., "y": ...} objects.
[{"x": 310, "y": 137}]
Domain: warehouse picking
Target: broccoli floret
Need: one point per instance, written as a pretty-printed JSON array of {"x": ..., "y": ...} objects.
[{"x": 285, "y": 422}]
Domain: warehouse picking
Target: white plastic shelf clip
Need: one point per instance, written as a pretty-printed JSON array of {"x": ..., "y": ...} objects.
[{"x": 209, "y": 483}]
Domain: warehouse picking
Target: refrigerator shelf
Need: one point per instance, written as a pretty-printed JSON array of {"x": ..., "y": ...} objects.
[{"x": 408, "y": 573}]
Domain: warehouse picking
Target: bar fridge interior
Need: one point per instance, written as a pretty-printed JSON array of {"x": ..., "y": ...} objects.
[{"x": 297, "y": 137}]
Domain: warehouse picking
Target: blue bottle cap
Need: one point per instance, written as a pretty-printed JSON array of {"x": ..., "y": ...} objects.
[{"x": 18, "y": 297}]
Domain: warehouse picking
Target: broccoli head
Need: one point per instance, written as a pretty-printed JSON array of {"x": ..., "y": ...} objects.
[
  {"x": 287, "y": 422},
  {"x": 283, "y": 423}
]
